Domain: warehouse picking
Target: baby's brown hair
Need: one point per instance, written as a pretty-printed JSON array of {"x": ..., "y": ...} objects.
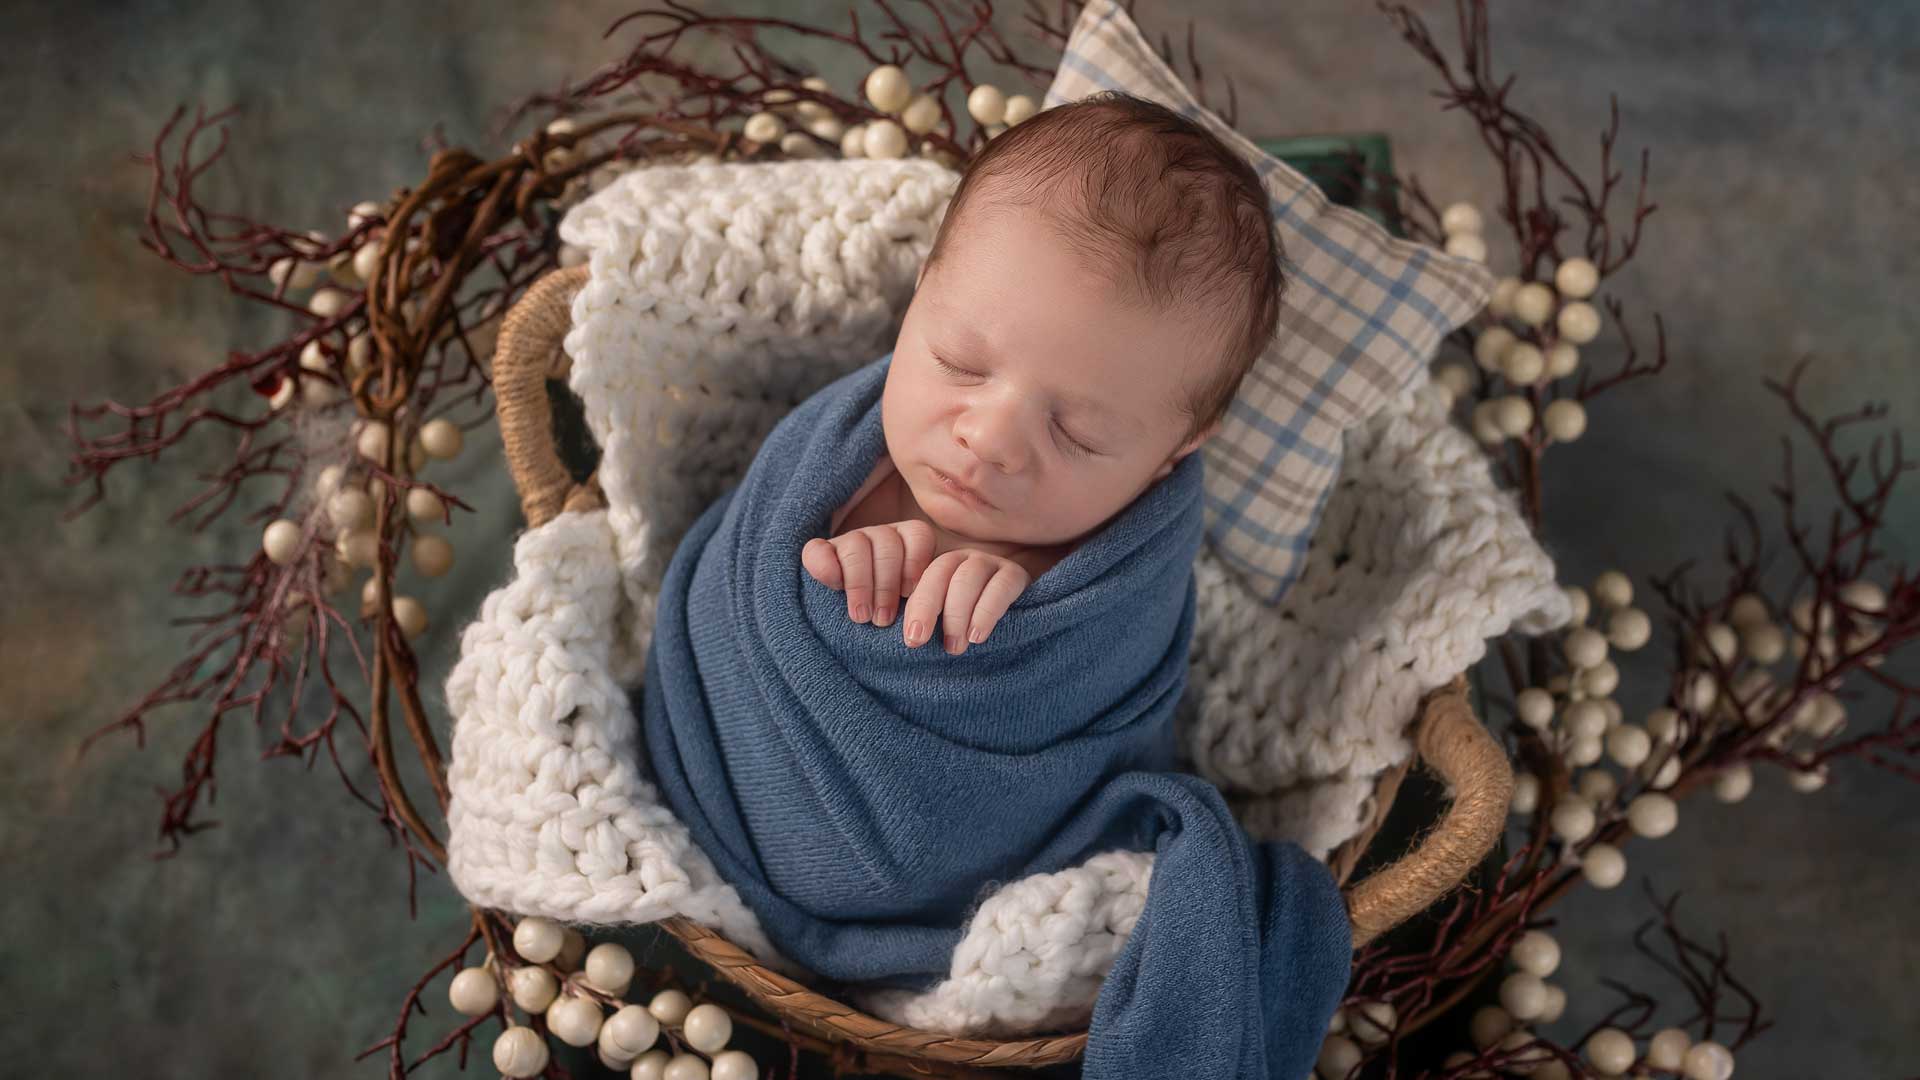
[{"x": 1171, "y": 215}]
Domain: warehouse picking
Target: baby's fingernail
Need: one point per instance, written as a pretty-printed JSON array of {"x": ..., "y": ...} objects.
[
  {"x": 977, "y": 635},
  {"x": 916, "y": 632},
  {"x": 859, "y": 611},
  {"x": 885, "y": 617}
]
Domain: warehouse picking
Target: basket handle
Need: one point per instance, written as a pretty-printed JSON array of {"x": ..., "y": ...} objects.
[
  {"x": 1455, "y": 745},
  {"x": 527, "y": 354}
]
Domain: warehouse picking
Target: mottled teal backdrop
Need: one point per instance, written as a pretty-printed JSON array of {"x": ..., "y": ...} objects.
[{"x": 1784, "y": 155}]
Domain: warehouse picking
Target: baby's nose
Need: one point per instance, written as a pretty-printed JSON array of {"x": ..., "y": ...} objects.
[{"x": 996, "y": 445}]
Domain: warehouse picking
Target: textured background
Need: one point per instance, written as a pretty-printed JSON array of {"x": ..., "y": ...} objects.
[{"x": 1784, "y": 155}]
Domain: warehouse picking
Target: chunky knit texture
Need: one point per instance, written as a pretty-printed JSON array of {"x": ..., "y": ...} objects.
[{"x": 711, "y": 312}]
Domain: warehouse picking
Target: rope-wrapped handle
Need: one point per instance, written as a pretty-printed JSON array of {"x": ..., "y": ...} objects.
[
  {"x": 1457, "y": 747},
  {"x": 527, "y": 354}
]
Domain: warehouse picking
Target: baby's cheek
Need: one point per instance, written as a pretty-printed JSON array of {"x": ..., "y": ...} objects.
[{"x": 1078, "y": 508}]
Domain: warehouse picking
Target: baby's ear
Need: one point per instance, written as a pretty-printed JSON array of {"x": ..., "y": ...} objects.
[
  {"x": 1186, "y": 448},
  {"x": 1196, "y": 442}
]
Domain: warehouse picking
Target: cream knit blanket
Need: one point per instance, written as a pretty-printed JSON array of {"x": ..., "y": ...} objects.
[{"x": 722, "y": 297}]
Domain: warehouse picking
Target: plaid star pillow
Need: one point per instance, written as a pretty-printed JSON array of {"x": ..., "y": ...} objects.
[{"x": 1362, "y": 315}]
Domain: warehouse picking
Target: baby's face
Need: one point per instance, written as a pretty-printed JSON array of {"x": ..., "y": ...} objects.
[{"x": 1057, "y": 401}]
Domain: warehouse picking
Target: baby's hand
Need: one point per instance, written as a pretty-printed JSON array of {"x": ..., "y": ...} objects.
[
  {"x": 875, "y": 565},
  {"x": 972, "y": 588}
]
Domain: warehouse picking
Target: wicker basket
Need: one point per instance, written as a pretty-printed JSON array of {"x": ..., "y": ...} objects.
[{"x": 1448, "y": 738}]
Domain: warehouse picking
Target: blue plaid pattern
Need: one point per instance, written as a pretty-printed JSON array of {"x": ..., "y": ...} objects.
[{"x": 1362, "y": 315}]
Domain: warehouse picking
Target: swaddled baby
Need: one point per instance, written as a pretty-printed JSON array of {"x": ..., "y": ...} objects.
[
  {"x": 1103, "y": 280},
  {"x": 1020, "y": 471}
]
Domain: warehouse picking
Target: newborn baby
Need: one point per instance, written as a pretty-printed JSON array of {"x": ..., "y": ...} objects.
[
  {"x": 1081, "y": 324},
  {"x": 1021, "y": 466}
]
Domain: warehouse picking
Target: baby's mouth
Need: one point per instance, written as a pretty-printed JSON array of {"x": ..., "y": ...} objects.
[{"x": 958, "y": 490}]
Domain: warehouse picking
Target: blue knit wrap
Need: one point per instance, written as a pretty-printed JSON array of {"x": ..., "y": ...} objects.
[{"x": 863, "y": 796}]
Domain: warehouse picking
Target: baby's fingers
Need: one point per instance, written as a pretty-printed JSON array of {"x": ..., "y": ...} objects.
[
  {"x": 963, "y": 592},
  {"x": 823, "y": 562},
  {"x": 916, "y": 537},
  {"x": 929, "y": 593},
  {"x": 888, "y": 554},
  {"x": 856, "y": 565},
  {"x": 995, "y": 599}
]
